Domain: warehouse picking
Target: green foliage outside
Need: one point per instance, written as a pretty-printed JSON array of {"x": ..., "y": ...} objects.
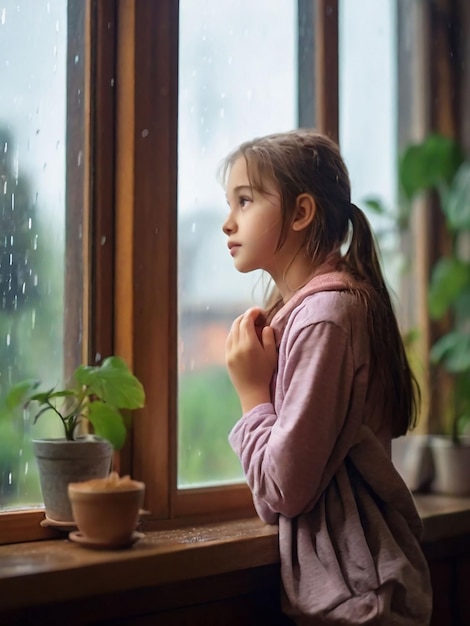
[{"x": 208, "y": 408}]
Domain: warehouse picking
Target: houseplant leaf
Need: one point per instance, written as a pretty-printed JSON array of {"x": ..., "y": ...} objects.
[
  {"x": 375, "y": 205},
  {"x": 462, "y": 303},
  {"x": 453, "y": 350},
  {"x": 44, "y": 396},
  {"x": 449, "y": 277},
  {"x": 113, "y": 382},
  {"x": 429, "y": 164},
  {"x": 457, "y": 204},
  {"x": 18, "y": 394},
  {"x": 107, "y": 423}
]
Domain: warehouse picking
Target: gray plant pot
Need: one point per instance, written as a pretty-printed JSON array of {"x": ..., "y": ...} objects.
[
  {"x": 413, "y": 460},
  {"x": 61, "y": 462},
  {"x": 452, "y": 465}
]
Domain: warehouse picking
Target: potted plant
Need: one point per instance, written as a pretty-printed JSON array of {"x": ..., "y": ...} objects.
[
  {"x": 96, "y": 394},
  {"x": 438, "y": 164}
]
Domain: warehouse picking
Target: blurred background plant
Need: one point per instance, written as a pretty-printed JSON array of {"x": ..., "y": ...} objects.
[{"x": 438, "y": 165}]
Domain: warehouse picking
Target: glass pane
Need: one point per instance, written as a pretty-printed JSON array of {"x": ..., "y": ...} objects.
[
  {"x": 368, "y": 100},
  {"x": 237, "y": 80},
  {"x": 33, "y": 74}
]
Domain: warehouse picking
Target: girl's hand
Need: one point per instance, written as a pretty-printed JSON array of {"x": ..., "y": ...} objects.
[{"x": 251, "y": 360}]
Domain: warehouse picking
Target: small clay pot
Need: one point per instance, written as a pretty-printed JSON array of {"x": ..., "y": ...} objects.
[{"x": 105, "y": 511}]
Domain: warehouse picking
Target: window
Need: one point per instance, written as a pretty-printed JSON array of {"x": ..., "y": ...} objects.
[
  {"x": 368, "y": 107},
  {"x": 42, "y": 214},
  {"x": 145, "y": 159},
  {"x": 235, "y": 82},
  {"x": 121, "y": 153}
]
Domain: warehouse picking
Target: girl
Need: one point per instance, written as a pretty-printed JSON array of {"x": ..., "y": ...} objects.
[{"x": 324, "y": 384}]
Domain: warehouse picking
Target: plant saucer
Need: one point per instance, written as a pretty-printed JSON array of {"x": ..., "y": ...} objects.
[
  {"x": 61, "y": 525},
  {"x": 78, "y": 537}
]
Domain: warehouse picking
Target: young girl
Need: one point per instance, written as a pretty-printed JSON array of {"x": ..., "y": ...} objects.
[{"x": 324, "y": 384}]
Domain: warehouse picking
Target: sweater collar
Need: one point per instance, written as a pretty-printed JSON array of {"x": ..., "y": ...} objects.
[{"x": 326, "y": 278}]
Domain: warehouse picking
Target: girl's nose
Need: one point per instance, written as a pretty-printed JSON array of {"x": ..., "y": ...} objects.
[{"x": 229, "y": 226}]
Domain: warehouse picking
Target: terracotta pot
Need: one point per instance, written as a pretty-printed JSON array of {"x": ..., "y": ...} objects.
[{"x": 106, "y": 512}]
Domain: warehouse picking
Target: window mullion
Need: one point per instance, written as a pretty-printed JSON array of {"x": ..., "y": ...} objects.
[{"x": 146, "y": 232}]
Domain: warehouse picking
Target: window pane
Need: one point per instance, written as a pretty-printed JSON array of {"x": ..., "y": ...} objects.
[
  {"x": 237, "y": 80},
  {"x": 368, "y": 112},
  {"x": 33, "y": 74}
]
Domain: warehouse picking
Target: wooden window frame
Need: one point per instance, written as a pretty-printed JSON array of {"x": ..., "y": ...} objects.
[{"x": 130, "y": 286}]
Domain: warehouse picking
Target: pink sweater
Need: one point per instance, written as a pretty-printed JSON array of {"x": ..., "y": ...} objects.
[{"x": 317, "y": 460}]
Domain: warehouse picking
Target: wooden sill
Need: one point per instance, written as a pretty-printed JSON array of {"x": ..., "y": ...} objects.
[
  {"x": 44, "y": 572},
  {"x": 38, "y": 573}
]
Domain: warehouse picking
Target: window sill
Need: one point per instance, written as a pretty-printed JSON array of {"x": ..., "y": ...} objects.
[{"x": 39, "y": 573}]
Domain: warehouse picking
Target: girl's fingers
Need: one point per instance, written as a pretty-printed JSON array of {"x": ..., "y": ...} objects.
[
  {"x": 269, "y": 341},
  {"x": 235, "y": 329}
]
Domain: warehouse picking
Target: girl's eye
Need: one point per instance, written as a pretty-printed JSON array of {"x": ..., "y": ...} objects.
[{"x": 244, "y": 201}]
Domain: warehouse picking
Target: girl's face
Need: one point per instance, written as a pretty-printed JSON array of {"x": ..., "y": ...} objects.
[{"x": 253, "y": 225}]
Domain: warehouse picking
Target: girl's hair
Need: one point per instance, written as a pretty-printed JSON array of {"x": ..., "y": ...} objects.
[{"x": 305, "y": 161}]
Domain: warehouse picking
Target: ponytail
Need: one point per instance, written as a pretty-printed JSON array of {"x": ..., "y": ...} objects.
[
  {"x": 362, "y": 257},
  {"x": 389, "y": 359}
]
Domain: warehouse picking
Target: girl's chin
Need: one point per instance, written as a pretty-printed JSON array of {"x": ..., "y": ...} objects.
[{"x": 244, "y": 268}]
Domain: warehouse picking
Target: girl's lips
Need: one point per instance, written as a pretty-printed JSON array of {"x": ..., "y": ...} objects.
[{"x": 233, "y": 247}]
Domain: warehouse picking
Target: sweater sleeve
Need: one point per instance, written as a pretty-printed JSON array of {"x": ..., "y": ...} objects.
[{"x": 285, "y": 455}]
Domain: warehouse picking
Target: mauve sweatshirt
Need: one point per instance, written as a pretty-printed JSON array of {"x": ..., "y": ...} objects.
[{"x": 317, "y": 460}]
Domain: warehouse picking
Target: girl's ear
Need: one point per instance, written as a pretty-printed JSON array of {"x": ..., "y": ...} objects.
[{"x": 305, "y": 209}]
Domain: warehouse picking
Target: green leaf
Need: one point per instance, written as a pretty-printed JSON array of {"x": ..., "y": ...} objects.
[
  {"x": 107, "y": 423},
  {"x": 44, "y": 396},
  {"x": 448, "y": 279},
  {"x": 457, "y": 204},
  {"x": 428, "y": 164},
  {"x": 113, "y": 383},
  {"x": 453, "y": 351},
  {"x": 17, "y": 396},
  {"x": 375, "y": 205},
  {"x": 462, "y": 304}
]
